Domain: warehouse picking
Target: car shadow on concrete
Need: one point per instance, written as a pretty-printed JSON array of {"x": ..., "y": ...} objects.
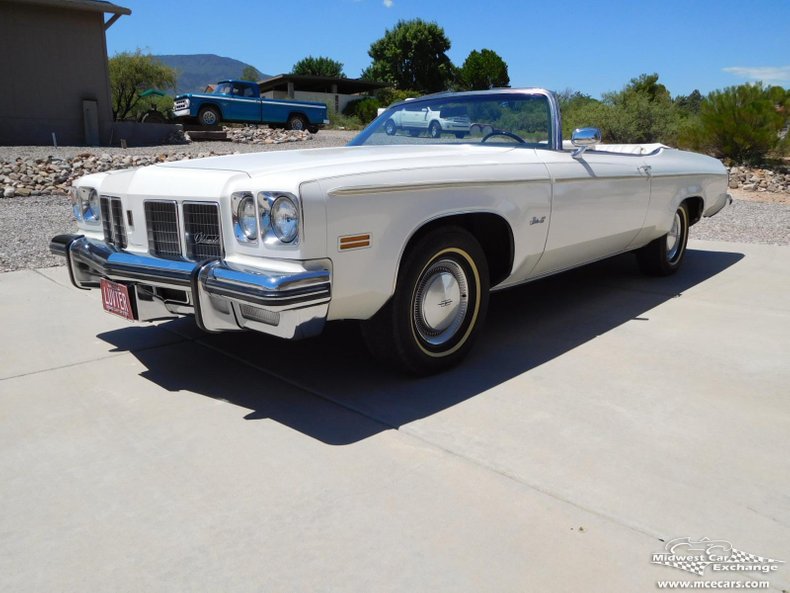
[{"x": 330, "y": 388}]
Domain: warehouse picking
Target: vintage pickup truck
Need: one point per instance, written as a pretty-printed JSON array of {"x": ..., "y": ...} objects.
[
  {"x": 240, "y": 101},
  {"x": 407, "y": 234}
]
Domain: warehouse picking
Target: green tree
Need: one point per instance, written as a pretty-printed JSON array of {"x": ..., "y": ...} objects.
[
  {"x": 250, "y": 73},
  {"x": 483, "y": 69},
  {"x": 413, "y": 56},
  {"x": 133, "y": 72},
  {"x": 647, "y": 85},
  {"x": 743, "y": 123},
  {"x": 642, "y": 112},
  {"x": 320, "y": 66},
  {"x": 579, "y": 111},
  {"x": 689, "y": 104}
]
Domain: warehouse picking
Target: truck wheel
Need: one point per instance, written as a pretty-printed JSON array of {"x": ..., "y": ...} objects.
[
  {"x": 435, "y": 129},
  {"x": 439, "y": 305},
  {"x": 312, "y": 129},
  {"x": 390, "y": 127},
  {"x": 297, "y": 122},
  {"x": 663, "y": 256},
  {"x": 208, "y": 116},
  {"x": 414, "y": 133}
]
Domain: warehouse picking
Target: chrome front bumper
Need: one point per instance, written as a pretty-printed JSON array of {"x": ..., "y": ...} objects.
[{"x": 222, "y": 296}]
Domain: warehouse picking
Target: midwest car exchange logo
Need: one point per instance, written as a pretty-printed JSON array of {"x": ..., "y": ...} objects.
[{"x": 695, "y": 556}]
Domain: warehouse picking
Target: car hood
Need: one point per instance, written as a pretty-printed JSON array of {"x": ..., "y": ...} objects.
[
  {"x": 320, "y": 163},
  {"x": 199, "y": 95}
]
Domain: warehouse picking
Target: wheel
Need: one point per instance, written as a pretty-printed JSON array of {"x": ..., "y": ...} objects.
[
  {"x": 515, "y": 137},
  {"x": 208, "y": 116},
  {"x": 460, "y": 135},
  {"x": 435, "y": 129},
  {"x": 414, "y": 133},
  {"x": 439, "y": 305},
  {"x": 390, "y": 128},
  {"x": 312, "y": 129},
  {"x": 297, "y": 122},
  {"x": 663, "y": 256}
]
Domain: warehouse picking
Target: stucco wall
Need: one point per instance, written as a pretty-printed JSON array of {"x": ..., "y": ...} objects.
[
  {"x": 52, "y": 60},
  {"x": 335, "y": 102}
]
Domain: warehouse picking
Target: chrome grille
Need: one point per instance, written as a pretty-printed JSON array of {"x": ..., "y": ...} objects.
[
  {"x": 112, "y": 221},
  {"x": 201, "y": 227},
  {"x": 162, "y": 223}
]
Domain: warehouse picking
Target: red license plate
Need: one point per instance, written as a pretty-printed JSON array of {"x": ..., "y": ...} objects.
[{"x": 116, "y": 300}]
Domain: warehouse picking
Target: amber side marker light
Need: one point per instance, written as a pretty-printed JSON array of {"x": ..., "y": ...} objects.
[{"x": 353, "y": 242}]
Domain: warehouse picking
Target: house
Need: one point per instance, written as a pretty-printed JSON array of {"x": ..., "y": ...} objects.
[
  {"x": 54, "y": 71},
  {"x": 336, "y": 93}
]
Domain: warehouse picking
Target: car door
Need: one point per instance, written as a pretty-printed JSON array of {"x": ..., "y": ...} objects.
[
  {"x": 599, "y": 203},
  {"x": 244, "y": 105},
  {"x": 414, "y": 118}
]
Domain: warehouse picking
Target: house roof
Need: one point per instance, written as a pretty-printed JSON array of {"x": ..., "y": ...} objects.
[
  {"x": 319, "y": 84},
  {"x": 89, "y": 5}
]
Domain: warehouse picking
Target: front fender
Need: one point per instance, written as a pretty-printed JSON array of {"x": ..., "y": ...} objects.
[{"x": 369, "y": 228}]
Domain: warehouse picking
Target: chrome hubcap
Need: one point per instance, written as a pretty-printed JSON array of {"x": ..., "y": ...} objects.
[
  {"x": 673, "y": 238},
  {"x": 441, "y": 302}
]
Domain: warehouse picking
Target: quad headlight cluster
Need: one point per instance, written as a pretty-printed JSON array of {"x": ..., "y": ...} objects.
[
  {"x": 268, "y": 216},
  {"x": 85, "y": 204}
]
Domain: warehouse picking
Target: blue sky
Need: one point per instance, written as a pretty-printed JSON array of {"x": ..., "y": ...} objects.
[{"x": 590, "y": 46}]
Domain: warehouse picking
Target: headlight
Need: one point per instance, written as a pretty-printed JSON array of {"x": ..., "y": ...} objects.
[
  {"x": 270, "y": 216},
  {"x": 285, "y": 219},
  {"x": 93, "y": 212},
  {"x": 89, "y": 205},
  {"x": 74, "y": 198},
  {"x": 244, "y": 224},
  {"x": 248, "y": 218}
]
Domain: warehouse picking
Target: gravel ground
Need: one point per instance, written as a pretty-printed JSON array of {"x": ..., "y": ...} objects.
[
  {"x": 28, "y": 223},
  {"x": 748, "y": 221},
  {"x": 322, "y": 139}
]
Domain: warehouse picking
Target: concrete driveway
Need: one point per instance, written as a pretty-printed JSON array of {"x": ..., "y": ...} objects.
[{"x": 601, "y": 415}]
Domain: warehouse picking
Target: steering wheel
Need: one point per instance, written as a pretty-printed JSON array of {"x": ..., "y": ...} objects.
[{"x": 516, "y": 137}]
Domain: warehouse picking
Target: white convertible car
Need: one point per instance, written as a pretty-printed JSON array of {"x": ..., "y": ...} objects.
[{"x": 407, "y": 234}]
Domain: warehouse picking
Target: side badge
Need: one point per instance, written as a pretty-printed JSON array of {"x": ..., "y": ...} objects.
[{"x": 536, "y": 220}]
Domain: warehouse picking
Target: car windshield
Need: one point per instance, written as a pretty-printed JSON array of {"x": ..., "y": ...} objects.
[{"x": 518, "y": 119}]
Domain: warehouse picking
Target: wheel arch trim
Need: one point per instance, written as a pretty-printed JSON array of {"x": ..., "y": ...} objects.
[{"x": 472, "y": 221}]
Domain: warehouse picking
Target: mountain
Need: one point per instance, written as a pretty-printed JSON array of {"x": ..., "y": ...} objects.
[{"x": 197, "y": 70}]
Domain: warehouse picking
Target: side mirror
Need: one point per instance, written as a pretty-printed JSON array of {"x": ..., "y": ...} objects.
[{"x": 584, "y": 138}]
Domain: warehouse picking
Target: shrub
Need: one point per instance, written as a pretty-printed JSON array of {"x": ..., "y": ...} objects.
[
  {"x": 365, "y": 109},
  {"x": 338, "y": 121},
  {"x": 388, "y": 96},
  {"x": 642, "y": 112},
  {"x": 741, "y": 123}
]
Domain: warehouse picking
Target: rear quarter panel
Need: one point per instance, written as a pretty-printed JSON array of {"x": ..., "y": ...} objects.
[{"x": 675, "y": 176}]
